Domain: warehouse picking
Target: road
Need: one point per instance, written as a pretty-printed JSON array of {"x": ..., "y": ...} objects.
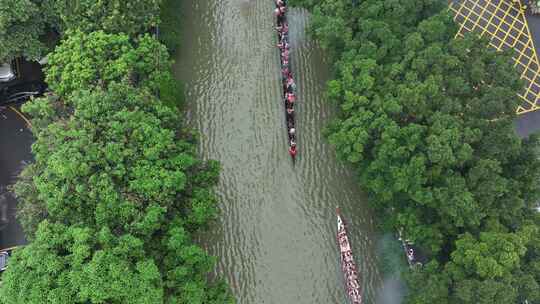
[
  {"x": 530, "y": 122},
  {"x": 506, "y": 26},
  {"x": 15, "y": 142}
]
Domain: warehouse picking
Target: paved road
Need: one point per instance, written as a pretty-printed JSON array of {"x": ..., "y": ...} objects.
[
  {"x": 15, "y": 141},
  {"x": 530, "y": 122}
]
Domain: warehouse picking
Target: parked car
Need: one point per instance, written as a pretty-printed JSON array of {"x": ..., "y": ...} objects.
[
  {"x": 5, "y": 254},
  {"x": 20, "y": 80},
  {"x": 6, "y": 73}
]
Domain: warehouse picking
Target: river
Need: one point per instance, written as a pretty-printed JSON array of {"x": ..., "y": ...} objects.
[{"x": 275, "y": 237}]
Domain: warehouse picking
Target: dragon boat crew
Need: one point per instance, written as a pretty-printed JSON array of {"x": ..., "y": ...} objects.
[
  {"x": 283, "y": 45},
  {"x": 292, "y": 131},
  {"x": 291, "y": 98},
  {"x": 285, "y": 72},
  {"x": 280, "y": 15},
  {"x": 283, "y": 38},
  {"x": 290, "y": 86},
  {"x": 290, "y": 112},
  {"x": 283, "y": 28},
  {"x": 285, "y": 53},
  {"x": 292, "y": 148}
]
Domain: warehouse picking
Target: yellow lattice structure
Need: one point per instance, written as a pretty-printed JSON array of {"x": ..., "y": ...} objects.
[{"x": 504, "y": 23}]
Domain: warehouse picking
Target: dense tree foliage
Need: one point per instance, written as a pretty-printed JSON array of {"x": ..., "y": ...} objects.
[
  {"x": 122, "y": 191},
  {"x": 87, "y": 60},
  {"x": 26, "y": 25},
  {"x": 427, "y": 121},
  {"x": 116, "y": 190},
  {"x": 96, "y": 59},
  {"x": 112, "y": 16},
  {"x": 22, "y": 27},
  {"x": 106, "y": 152}
]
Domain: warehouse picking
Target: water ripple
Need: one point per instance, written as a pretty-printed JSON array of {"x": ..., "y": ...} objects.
[{"x": 275, "y": 239}]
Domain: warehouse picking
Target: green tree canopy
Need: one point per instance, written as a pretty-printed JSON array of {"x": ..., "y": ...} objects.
[
  {"x": 112, "y": 16},
  {"x": 71, "y": 265},
  {"x": 22, "y": 27},
  {"x": 95, "y": 59},
  {"x": 26, "y": 25},
  {"x": 107, "y": 157},
  {"x": 118, "y": 191}
]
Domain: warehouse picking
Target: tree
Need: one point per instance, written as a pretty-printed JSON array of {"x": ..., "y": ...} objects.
[
  {"x": 118, "y": 183},
  {"x": 26, "y": 25},
  {"x": 22, "y": 27},
  {"x": 429, "y": 283},
  {"x": 70, "y": 265},
  {"x": 113, "y": 16},
  {"x": 86, "y": 60}
]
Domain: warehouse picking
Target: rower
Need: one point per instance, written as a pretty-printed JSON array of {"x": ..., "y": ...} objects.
[
  {"x": 282, "y": 27},
  {"x": 290, "y": 83},
  {"x": 292, "y": 151},
  {"x": 290, "y": 125},
  {"x": 283, "y": 39},
  {"x": 285, "y": 72},
  {"x": 282, "y": 45},
  {"x": 292, "y": 131},
  {"x": 290, "y": 97},
  {"x": 290, "y": 111},
  {"x": 280, "y": 16},
  {"x": 290, "y": 88}
]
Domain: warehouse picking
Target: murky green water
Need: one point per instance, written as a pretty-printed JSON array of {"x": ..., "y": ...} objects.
[{"x": 275, "y": 238}]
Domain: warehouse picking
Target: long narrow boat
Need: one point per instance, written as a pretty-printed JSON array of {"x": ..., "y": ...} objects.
[
  {"x": 348, "y": 266},
  {"x": 289, "y": 94}
]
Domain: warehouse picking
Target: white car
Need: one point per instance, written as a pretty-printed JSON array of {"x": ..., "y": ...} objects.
[{"x": 6, "y": 72}]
